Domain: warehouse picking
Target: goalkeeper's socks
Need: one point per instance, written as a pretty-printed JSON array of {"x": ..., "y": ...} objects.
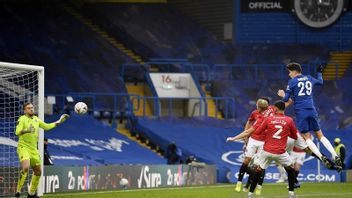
[
  {"x": 21, "y": 180},
  {"x": 34, "y": 184}
]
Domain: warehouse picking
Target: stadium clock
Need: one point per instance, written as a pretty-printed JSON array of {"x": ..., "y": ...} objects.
[{"x": 318, "y": 13}]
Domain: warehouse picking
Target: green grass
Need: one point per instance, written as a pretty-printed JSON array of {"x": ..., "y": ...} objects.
[{"x": 330, "y": 190}]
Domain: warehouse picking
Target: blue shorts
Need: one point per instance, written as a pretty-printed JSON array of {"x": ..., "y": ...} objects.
[{"x": 307, "y": 120}]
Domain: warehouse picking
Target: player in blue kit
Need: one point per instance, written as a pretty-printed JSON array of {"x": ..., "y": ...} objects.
[{"x": 300, "y": 90}]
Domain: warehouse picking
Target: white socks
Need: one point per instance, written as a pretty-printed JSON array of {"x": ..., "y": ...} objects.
[
  {"x": 282, "y": 172},
  {"x": 314, "y": 148},
  {"x": 328, "y": 146}
]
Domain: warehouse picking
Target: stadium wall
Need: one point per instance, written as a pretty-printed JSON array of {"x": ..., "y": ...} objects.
[{"x": 87, "y": 178}]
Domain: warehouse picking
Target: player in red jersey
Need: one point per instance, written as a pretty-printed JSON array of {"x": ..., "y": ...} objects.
[
  {"x": 277, "y": 129},
  {"x": 256, "y": 141}
]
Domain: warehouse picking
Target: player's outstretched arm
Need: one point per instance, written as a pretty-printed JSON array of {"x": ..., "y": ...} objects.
[
  {"x": 62, "y": 119},
  {"x": 243, "y": 134},
  {"x": 49, "y": 126}
]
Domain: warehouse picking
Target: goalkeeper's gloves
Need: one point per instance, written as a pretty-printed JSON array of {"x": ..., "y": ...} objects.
[
  {"x": 320, "y": 69},
  {"x": 30, "y": 129},
  {"x": 63, "y": 118}
]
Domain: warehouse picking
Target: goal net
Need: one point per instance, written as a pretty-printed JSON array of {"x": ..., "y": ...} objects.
[{"x": 18, "y": 84}]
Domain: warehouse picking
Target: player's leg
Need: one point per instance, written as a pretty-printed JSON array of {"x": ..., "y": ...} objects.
[
  {"x": 24, "y": 157},
  {"x": 258, "y": 189},
  {"x": 241, "y": 173},
  {"x": 285, "y": 160},
  {"x": 301, "y": 144},
  {"x": 250, "y": 151},
  {"x": 250, "y": 172},
  {"x": 296, "y": 168},
  {"x": 35, "y": 181},
  {"x": 314, "y": 149},
  {"x": 308, "y": 138},
  {"x": 298, "y": 159},
  {"x": 264, "y": 159},
  {"x": 319, "y": 134},
  {"x": 282, "y": 172},
  {"x": 291, "y": 180},
  {"x": 37, "y": 172},
  {"x": 313, "y": 125},
  {"x": 304, "y": 127}
]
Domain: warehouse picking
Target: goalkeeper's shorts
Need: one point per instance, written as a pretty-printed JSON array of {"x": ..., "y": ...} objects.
[{"x": 29, "y": 154}]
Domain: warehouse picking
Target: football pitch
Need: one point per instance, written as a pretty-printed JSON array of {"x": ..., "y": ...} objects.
[{"x": 320, "y": 190}]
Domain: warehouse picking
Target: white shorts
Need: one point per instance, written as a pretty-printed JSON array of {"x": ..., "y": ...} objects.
[
  {"x": 255, "y": 159},
  {"x": 290, "y": 145},
  {"x": 253, "y": 146},
  {"x": 298, "y": 157},
  {"x": 300, "y": 142},
  {"x": 265, "y": 159}
]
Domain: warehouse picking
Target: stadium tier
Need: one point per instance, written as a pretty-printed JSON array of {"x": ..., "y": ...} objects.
[
  {"x": 75, "y": 57},
  {"x": 164, "y": 85},
  {"x": 87, "y": 141},
  {"x": 157, "y": 30}
]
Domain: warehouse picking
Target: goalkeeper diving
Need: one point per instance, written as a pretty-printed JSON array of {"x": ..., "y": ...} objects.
[{"x": 27, "y": 130}]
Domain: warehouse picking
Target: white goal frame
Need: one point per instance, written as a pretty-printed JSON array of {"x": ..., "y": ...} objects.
[{"x": 40, "y": 111}]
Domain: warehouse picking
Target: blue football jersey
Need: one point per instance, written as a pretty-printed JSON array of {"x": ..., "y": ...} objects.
[{"x": 300, "y": 90}]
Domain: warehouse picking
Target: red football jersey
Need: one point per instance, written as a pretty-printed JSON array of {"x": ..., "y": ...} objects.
[
  {"x": 254, "y": 116},
  {"x": 257, "y": 135},
  {"x": 277, "y": 129}
]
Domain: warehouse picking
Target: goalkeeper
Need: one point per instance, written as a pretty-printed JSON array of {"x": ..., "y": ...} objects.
[{"x": 27, "y": 130}]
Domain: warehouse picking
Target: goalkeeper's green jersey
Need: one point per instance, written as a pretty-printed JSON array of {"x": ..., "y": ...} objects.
[{"x": 30, "y": 140}]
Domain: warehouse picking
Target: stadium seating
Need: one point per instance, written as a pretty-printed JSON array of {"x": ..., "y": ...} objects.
[
  {"x": 82, "y": 140},
  {"x": 79, "y": 60},
  {"x": 76, "y": 58},
  {"x": 157, "y": 30}
]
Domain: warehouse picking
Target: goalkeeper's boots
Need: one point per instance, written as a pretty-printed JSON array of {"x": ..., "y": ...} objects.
[
  {"x": 17, "y": 194},
  {"x": 32, "y": 196},
  {"x": 238, "y": 187},
  {"x": 327, "y": 163}
]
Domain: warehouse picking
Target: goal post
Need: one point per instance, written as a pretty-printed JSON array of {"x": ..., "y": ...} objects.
[{"x": 19, "y": 83}]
